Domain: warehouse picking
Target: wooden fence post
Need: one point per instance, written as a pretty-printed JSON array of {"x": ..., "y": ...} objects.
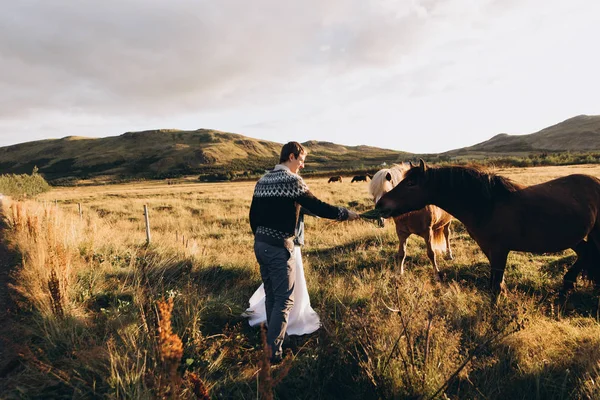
[
  {"x": 147, "y": 224},
  {"x": 80, "y": 212}
]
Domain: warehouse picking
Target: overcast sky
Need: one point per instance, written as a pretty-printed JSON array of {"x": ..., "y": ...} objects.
[{"x": 413, "y": 75}]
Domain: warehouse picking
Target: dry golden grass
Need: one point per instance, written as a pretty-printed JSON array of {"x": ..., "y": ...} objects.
[{"x": 442, "y": 338}]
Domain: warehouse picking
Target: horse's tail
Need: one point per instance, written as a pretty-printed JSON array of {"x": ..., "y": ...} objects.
[{"x": 438, "y": 240}]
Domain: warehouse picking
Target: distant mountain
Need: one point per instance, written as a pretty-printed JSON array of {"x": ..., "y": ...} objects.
[
  {"x": 581, "y": 133},
  {"x": 168, "y": 153}
]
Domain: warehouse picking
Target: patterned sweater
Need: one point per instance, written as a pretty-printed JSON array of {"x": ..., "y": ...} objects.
[{"x": 276, "y": 203}]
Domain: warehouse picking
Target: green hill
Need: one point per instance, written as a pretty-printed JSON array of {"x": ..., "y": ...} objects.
[
  {"x": 579, "y": 134},
  {"x": 218, "y": 155},
  {"x": 169, "y": 153}
]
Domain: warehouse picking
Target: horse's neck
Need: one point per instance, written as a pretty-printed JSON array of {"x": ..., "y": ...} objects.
[{"x": 468, "y": 206}]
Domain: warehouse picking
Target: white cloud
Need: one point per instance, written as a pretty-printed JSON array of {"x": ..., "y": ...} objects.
[{"x": 451, "y": 72}]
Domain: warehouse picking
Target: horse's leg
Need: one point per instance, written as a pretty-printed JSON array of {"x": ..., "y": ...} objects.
[
  {"x": 582, "y": 249},
  {"x": 593, "y": 262},
  {"x": 498, "y": 264},
  {"x": 402, "y": 238},
  {"x": 431, "y": 254},
  {"x": 447, "y": 233}
]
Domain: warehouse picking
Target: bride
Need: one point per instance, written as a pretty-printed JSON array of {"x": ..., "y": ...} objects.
[{"x": 302, "y": 319}]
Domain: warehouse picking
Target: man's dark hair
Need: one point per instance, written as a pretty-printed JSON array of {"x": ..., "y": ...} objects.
[{"x": 294, "y": 148}]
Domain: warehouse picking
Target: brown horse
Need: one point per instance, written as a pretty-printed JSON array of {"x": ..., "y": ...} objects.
[
  {"x": 361, "y": 178},
  {"x": 502, "y": 216},
  {"x": 335, "y": 179},
  {"x": 431, "y": 222}
]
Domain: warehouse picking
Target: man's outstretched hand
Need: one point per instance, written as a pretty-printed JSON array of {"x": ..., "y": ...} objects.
[{"x": 352, "y": 215}]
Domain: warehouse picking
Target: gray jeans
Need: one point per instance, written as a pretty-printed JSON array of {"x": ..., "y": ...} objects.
[{"x": 278, "y": 272}]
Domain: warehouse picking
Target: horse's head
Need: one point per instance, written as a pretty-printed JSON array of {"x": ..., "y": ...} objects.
[
  {"x": 380, "y": 184},
  {"x": 409, "y": 194},
  {"x": 385, "y": 179}
]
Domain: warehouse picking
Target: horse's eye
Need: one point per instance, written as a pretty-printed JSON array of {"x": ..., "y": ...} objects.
[{"x": 410, "y": 183}]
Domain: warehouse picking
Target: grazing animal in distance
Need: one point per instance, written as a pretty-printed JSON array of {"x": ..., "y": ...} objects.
[
  {"x": 503, "y": 216},
  {"x": 430, "y": 222},
  {"x": 361, "y": 178},
  {"x": 335, "y": 179}
]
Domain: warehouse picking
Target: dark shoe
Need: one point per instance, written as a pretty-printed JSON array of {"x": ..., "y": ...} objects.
[
  {"x": 290, "y": 343},
  {"x": 276, "y": 360}
]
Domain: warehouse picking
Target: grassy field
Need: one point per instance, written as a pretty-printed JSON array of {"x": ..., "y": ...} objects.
[{"x": 100, "y": 323}]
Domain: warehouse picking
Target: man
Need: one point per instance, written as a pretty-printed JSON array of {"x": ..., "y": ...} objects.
[{"x": 274, "y": 212}]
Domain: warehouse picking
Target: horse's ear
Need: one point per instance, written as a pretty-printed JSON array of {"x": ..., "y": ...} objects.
[
  {"x": 388, "y": 176},
  {"x": 411, "y": 164},
  {"x": 422, "y": 165}
]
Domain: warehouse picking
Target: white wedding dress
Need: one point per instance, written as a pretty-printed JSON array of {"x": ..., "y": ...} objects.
[{"x": 302, "y": 319}]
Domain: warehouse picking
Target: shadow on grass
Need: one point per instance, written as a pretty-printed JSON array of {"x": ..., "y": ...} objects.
[
  {"x": 348, "y": 247},
  {"x": 32, "y": 345},
  {"x": 219, "y": 282},
  {"x": 62, "y": 345},
  {"x": 475, "y": 274},
  {"x": 213, "y": 279},
  {"x": 478, "y": 275},
  {"x": 556, "y": 269},
  {"x": 107, "y": 300},
  {"x": 326, "y": 366},
  {"x": 220, "y": 287},
  {"x": 219, "y": 278},
  {"x": 505, "y": 378},
  {"x": 583, "y": 302},
  {"x": 369, "y": 253}
]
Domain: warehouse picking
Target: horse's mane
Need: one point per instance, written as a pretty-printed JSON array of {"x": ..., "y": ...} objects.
[
  {"x": 378, "y": 181},
  {"x": 475, "y": 180}
]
